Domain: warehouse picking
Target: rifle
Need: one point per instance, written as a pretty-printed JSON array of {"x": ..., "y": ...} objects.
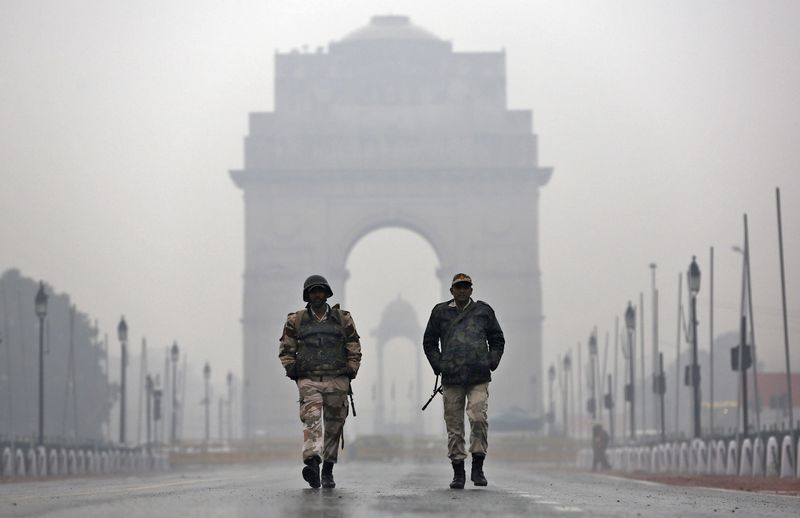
[
  {"x": 437, "y": 389},
  {"x": 352, "y": 403}
]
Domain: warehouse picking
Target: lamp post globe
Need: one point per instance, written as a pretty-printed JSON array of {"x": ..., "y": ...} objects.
[{"x": 40, "y": 303}]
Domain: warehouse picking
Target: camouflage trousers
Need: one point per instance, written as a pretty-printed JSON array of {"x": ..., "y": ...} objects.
[
  {"x": 476, "y": 398},
  {"x": 323, "y": 405}
]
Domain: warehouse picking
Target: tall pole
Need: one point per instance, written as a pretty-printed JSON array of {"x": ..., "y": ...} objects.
[
  {"x": 592, "y": 359},
  {"x": 678, "y": 356},
  {"x": 711, "y": 340},
  {"x": 174, "y": 353},
  {"x": 579, "y": 428},
  {"x": 616, "y": 378},
  {"x": 743, "y": 372},
  {"x": 662, "y": 389},
  {"x": 785, "y": 322},
  {"x": 630, "y": 325},
  {"x": 642, "y": 362},
  {"x": 752, "y": 326},
  {"x": 148, "y": 413},
  {"x": 230, "y": 406},
  {"x": 654, "y": 350},
  {"x": 122, "y": 334},
  {"x": 693, "y": 278},
  {"x": 610, "y": 407},
  {"x": 207, "y": 401},
  {"x": 41, "y": 312},
  {"x": 142, "y": 389}
]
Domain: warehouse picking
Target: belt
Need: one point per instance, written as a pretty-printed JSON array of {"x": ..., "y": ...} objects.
[{"x": 323, "y": 378}]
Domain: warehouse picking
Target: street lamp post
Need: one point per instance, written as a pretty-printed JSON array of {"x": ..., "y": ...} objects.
[
  {"x": 122, "y": 334},
  {"x": 608, "y": 402},
  {"x": 592, "y": 362},
  {"x": 693, "y": 279},
  {"x": 551, "y": 409},
  {"x": 567, "y": 364},
  {"x": 630, "y": 388},
  {"x": 174, "y": 352},
  {"x": 230, "y": 405},
  {"x": 661, "y": 389},
  {"x": 148, "y": 397},
  {"x": 207, "y": 400},
  {"x": 41, "y": 312}
]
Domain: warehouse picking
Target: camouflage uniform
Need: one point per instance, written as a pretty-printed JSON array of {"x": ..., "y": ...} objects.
[
  {"x": 465, "y": 363},
  {"x": 322, "y": 356}
]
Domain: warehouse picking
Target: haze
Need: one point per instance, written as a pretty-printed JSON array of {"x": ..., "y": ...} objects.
[{"x": 664, "y": 122}]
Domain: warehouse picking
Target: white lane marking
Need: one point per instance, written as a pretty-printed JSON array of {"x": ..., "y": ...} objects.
[
  {"x": 549, "y": 502},
  {"x": 567, "y": 509}
]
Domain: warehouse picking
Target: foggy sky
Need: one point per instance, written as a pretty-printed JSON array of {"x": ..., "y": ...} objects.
[{"x": 664, "y": 121}]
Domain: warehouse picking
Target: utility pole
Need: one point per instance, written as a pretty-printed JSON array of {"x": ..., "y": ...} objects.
[
  {"x": 207, "y": 401},
  {"x": 630, "y": 388}
]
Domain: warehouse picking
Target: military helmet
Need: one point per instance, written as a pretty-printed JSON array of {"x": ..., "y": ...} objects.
[{"x": 316, "y": 280}]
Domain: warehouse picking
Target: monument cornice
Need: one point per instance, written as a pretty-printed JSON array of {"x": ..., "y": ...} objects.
[{"x": 249, "y": 177}]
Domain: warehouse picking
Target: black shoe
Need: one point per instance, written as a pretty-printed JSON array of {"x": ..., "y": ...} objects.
[
  {"x": 477, "y": 471},
  {"x": 311, "y": 471},
  {"x": 459, "y": 476},
  {"x": 327, "y": 475}
]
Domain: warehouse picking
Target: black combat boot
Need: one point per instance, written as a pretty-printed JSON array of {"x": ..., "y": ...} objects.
[
  {"x": 459, "y": 476},
  {"x": 477, "y": 470},
  {"x": 327, "y": 475},
  {"x": 311, "y": 471}
]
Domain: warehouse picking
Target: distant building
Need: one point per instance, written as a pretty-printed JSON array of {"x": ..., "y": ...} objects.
[
  {"x": 389, "y": 127},
  {"x": 774, "y": 397}
]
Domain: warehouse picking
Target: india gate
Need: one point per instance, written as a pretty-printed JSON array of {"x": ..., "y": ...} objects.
[{"x": 389, "y": 127}]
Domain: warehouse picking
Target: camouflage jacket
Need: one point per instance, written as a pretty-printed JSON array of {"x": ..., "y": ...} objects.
[
  {"x": 471, "y": 347},
  {"x": 301, "y": 357}
]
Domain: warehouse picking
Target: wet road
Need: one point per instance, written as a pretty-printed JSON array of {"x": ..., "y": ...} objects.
[{"x": 373, "y": 489}]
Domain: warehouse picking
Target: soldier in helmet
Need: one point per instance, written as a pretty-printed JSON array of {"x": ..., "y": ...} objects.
[
  {"x": 464, "y": 343},
  {"x": 321, "y": 352}
]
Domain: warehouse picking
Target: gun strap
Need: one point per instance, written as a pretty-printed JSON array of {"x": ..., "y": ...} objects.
[{"x": 455, "y": 321}]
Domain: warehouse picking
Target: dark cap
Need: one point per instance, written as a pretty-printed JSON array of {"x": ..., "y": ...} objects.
[{"x": 461, "y": 277}]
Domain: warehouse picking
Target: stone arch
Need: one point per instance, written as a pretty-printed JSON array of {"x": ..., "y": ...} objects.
[{"x": 330, "y": 165}]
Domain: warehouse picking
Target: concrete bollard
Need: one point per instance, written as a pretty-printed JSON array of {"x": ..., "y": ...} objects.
[
  {"x": 683, "y": 460},
  {"x": 787, "y": 462},
  {"x": 701, "y": 457},
  {"x": 759, "y": 457},
  {"x": 52, "y": 461},
  {"x": 72, "y": 461},
  {"x": 7, "y": 463},
  {"x": 676, "y": 457},
  {"x": 30, "y": 463},
  {"x": 81, "y": 462},
  {"x": 797, "y": 459},
  {"x": 773, "y": 458},
  {"x": 63, "y": 467},
  {"x": 19, "y": 463},
  {"x": 732, "y": 462},
  {"x": 722, "y": 457},
  {"x": 746, "y": 463},
  {"x": 41, "y": 461}
]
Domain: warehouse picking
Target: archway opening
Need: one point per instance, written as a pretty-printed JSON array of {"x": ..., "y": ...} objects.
[{"x": 386, "y": 266}]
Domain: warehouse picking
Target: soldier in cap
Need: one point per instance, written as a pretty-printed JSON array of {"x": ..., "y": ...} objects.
[
  {"x": 464, "y": 343},
  {"x": 321, "y": 352}
]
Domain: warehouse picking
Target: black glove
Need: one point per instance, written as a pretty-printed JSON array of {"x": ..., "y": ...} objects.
[
  {"x": 351, "y": 373},
  {"x": 291, "y": 371},
  {"x": 494, "y": 361}
]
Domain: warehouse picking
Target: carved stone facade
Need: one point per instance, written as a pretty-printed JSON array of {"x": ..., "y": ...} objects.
[{"x": 389, "y": 128}]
